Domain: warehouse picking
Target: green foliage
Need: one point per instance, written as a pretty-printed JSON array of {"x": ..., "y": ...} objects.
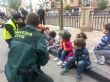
[
  {"x": 68, "y": 8},
  {"x": 102, "y": 4},
  {"x": 14, "y": 4}
]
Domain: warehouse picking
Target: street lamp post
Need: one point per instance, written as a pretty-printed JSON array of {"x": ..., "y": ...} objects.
[{"x": 61, "y": 15}]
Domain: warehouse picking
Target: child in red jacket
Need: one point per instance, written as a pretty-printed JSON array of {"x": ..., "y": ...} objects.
[{"x": 65, "y": 47}]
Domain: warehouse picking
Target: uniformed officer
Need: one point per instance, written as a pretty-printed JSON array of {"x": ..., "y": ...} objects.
[
  {"x": 28, "y": 52},
  {"x": 11, "y": 26}
]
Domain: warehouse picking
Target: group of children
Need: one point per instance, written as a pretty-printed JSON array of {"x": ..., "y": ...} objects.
[{"x": 75, "y": 53}]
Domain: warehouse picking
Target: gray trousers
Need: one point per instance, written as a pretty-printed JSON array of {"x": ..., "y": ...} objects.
[{"x": 100, "y": 53}]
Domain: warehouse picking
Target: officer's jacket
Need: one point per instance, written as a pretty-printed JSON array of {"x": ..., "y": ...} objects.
[
  {"x": 28, "y": 50},
  {"x": 9, "y": 29}
]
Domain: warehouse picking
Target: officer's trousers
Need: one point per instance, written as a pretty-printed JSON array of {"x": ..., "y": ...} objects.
[{"x": 42, "y": 77}]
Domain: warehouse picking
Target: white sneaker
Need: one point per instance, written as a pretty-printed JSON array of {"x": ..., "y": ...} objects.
[
  {"x": 101, "y": 62},
  {"x": 60, "y": 63},
  {"x": 56, "y": 59},
  {"x": 64, "y": 63}
]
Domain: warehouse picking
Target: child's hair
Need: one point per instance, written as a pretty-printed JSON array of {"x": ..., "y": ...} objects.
[
  {"x": 80, "y": 42},
  {"x": 81, "y": 35},
  {"x": 59, "y": 33},
  {"x": 41, "y": 27},
  {"x": 107, "y": 27},
  {"x": 52, "y": 34},
  {"x": 46, "y": 28},
  {"x": 66, "y": 36}
]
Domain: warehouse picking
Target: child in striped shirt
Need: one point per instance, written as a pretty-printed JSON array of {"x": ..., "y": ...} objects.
[{"x": 103, "y": 47}]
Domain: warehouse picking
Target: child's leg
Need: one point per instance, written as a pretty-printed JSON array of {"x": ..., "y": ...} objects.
[
  {"x": 80, "y": 68},
  {"x": 99, "y": 53},
  {"x": 69, "y": 55},
  {"x": 50, "y": 47},
  {"x": 64, "y": 54},
  {"x": 69, "y": 63},
  {"x": 59, "y": 53}
]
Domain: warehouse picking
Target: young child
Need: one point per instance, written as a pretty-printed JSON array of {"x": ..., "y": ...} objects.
[
  {"x": 103, "y": 47},
  {"x": 56, "y": 45},
  {"x": 81, "y": 57},
  {"x": 52, "y": 35},
  {"x": 40, "y": 28},
  {"x": 46, "y": 33},
  {"x": 66, "y": 47},
  {"x": 58, "y": 38},
  {"x": 81, "y": 35}
]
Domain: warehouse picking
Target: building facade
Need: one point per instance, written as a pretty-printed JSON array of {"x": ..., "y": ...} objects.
[{"x": 94, "y": 3}]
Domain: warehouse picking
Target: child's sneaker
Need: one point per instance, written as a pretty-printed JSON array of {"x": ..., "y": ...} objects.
[
  {"x": 101, "y": 62},
  {"x": 79, "y": 79},
  {"x": 64, "y": 72},
  {"x": 56, "y": 59},
  {"x": 64, "y": 63},
  {"x": 62, "y": 66},
  {"x": 60, "y": 63},
  {"x": 89, "y": 67}
]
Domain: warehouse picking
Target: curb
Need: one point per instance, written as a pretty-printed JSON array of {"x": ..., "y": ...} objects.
[{"x": 94, "y": 72}]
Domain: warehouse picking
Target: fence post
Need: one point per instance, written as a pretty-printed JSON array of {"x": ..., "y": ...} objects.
[{"x": 85, "y": 19}]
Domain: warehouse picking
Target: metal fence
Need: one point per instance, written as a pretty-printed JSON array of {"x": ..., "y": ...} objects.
[
  {"x": 72, "y": 21},
  {"x": 99, "y": 19},
  {"x": 68, "y": 21},
  {"x": 52, "y": 20}
]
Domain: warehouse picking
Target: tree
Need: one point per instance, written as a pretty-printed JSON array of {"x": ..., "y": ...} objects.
[
  {"x": 14, "y": 4},
  {"x": 102, "y": 4},
  {"x": 68, "y": 8},
  {"x": 4, "y": 1}
]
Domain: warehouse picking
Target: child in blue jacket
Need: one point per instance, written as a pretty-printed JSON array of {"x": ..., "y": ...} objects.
[{"x": 81, "y": 58}]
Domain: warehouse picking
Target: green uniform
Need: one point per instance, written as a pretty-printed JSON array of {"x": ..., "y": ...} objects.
[{"x": 28, "y": 52}]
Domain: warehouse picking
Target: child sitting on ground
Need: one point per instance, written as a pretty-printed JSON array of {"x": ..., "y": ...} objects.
[
  {"x": 44, "y": 30},
  {"x": 40, "y": 28},
  {"x": 51, "y": 42},
  {"x": 103, "y": 47},
  {"x": 46, "y": 33},
  {"x": 56, "y": 45},
  {"x": 65, "y": 48},
  {"x": 81, "y": 57},
  {"x": 81, "y": 35}
]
